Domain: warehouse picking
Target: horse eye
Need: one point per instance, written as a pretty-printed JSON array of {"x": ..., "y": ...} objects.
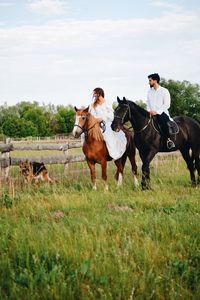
[{"x": 83, "y": 117}]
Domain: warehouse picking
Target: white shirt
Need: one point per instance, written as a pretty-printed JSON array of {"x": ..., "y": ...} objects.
[{"x": 158, "y": 100}]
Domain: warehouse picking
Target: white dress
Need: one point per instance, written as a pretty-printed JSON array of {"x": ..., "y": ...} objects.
[{"x": 115, "y": 141}]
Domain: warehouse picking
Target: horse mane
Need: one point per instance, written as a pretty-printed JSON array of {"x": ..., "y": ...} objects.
[
  {"x": 141, "y": 110},
  {"x": 94, "y": 128}
]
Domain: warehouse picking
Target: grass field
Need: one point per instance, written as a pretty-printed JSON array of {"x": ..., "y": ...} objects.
[{"x": 67, "y": 241}]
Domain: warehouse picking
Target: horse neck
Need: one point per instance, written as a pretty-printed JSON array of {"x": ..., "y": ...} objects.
[
  {"x": 93, "y": 129},
  {"x": 139, "y": 118}
]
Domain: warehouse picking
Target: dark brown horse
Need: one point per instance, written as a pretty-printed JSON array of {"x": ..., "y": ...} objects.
[
  {"x": 95, "y": 150},
  {"x": 149, "y": 141}
]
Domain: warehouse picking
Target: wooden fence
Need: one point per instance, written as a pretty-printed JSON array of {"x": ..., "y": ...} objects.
[{"x": 6, "y": 160}]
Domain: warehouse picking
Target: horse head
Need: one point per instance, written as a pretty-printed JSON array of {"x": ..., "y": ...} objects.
[
  {"x": 121, "y": 114},
  {"x": 80, "y": 121}
]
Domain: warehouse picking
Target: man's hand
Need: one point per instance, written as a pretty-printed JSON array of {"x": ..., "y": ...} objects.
[{"x": 153, "y": 113}]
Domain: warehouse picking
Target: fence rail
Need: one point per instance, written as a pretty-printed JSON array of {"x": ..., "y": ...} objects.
[
  {"x": 63, "y": 158},
  {"x": 60, "y": 147}
]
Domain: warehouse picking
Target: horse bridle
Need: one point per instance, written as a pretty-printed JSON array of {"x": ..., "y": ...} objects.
[
  {"x": 129, "y": 111},
  {"x": 82, "y": 127}
]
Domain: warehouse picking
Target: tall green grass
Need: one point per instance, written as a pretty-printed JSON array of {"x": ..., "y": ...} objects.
[{"x": 67, "y": 241}]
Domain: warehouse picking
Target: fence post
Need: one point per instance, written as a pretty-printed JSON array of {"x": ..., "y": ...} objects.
[
  {"x": 66, "y": 152},
  {"x": 5, "y": 162}
]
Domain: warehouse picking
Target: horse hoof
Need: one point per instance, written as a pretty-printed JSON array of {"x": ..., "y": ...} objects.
[
  {"x": 145, "y": 188},
  {"x": 106, "y": 188},
  {"x": 136, "y": 182}
]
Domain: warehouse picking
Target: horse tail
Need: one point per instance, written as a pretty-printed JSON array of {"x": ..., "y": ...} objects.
[
  {"x": 193, "y": 131},
  {"x": 197, "y": 120}
]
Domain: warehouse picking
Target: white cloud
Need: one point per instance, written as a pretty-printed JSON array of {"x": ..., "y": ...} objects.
[
  {"x": 166, "y": 5},
  {"x": 62, "y": 62},
  {"x": 6, "y": 4},
  {"x": 48, "y": 7}
]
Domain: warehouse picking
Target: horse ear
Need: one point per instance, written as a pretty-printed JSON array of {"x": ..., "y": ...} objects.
[
  {"x": 118, "y": 99},
  {"x": 124, "y": 99},
  {"x": 86, "y": 109},
  {"x": 75, "y": 108}
]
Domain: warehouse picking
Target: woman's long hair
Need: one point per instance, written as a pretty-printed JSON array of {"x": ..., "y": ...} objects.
[{"x": 99, "y": 92}]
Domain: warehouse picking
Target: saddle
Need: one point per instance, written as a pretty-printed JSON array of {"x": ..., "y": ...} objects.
[{"x": 172, "y": 126}]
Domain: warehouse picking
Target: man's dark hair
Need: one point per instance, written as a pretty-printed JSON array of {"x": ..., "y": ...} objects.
[{"x": 155, "y": 76}]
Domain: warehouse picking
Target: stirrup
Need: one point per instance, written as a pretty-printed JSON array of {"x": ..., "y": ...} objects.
[{"x": 170, "y": 144}]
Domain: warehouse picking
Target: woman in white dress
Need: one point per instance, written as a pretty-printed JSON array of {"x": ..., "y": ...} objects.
[{"x": 103, "y": 111}]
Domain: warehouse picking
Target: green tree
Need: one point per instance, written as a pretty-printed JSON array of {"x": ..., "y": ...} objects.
[
  {"x": 185, "y": 98},
  {"x": 8, "y": 112},
  {"x": 37, "y": 117},
  {"x": 50, "y": 112},
  {"x": 141, "y": 103},
  {"x": 65, "y": 119},
  {"x": 10, "y": 127},
  {"x": 16, "y": 127},
  {"x": 24, "y": 106},
  {"x": 26, "y": 128}
]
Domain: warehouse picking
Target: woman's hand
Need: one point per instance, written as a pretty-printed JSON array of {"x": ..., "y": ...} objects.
[{"x": 153, "y": 113}]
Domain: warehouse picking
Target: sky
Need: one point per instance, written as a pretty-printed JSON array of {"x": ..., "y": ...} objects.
[{"x": 56, "y": 51}]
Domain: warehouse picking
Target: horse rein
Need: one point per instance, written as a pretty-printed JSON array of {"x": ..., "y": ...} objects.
[{"x": 138, "y": 131}]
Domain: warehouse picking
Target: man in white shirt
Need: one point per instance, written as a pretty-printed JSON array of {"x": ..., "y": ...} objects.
[{"x": 158, "y": 103}]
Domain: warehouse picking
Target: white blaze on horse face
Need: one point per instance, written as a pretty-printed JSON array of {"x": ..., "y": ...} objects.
[{"x": 77, "y": 130}]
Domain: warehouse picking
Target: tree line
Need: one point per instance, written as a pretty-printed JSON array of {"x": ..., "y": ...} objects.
[{"x": 31, "y": 119}]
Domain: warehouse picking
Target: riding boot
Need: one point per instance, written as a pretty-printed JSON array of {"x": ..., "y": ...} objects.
[{"x": 163, "y": 120}]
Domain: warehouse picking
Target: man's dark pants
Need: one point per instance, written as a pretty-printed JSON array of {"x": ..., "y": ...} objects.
[{"x": 163, "y": 119}]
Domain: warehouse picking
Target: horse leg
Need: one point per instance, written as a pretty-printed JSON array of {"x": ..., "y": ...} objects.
[
  {"x": 104, "y": 174},
  {"x": 197, "y": 164},
  {"x": 120, "y": 163},
  {"x": 190, "y": 164},
  {"x": 134, "y": 169},
  {"x": 93, "y": 173},
  {"x": 146, "y": 159}
]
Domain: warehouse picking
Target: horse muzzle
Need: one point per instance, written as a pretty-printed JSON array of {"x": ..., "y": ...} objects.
[
  {"x": 76, "y": 132},
  {"x": 115, "y": 127}
]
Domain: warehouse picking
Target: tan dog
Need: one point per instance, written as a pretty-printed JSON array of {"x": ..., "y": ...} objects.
[{"x": 34, "y": 170}]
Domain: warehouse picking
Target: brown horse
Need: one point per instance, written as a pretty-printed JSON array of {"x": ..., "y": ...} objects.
[{"x": 95, "y": 150}]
